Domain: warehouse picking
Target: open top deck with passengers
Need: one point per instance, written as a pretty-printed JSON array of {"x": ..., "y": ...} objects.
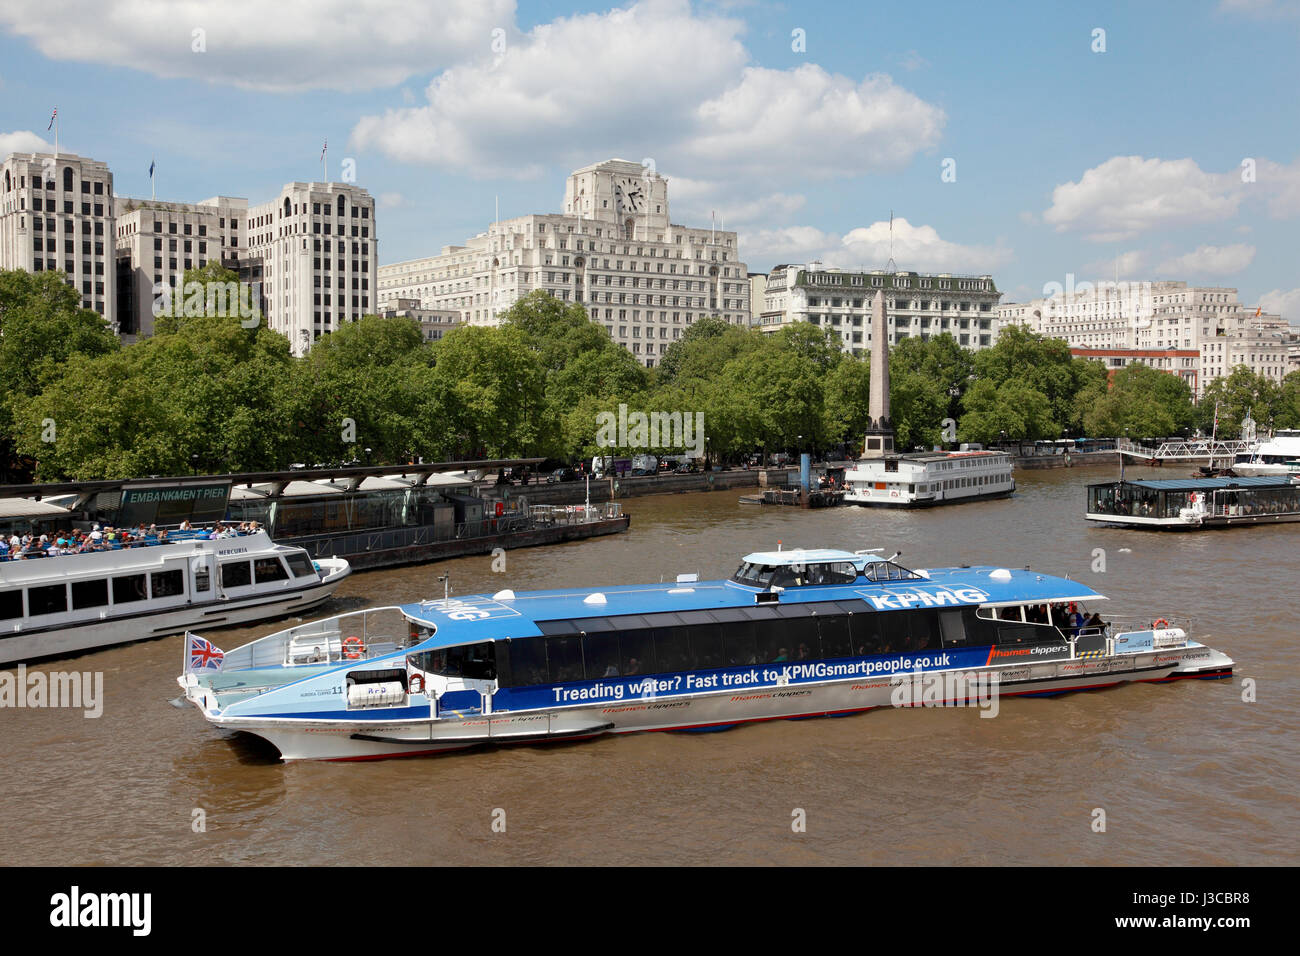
[{"x": 791, "y": 633}]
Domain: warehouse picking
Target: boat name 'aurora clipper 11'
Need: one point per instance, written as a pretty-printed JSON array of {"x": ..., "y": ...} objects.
[{"x": 791, "y": 634}]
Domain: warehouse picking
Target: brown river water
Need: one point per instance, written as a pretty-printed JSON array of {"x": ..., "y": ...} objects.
[{"x": 1186, "y": 773}]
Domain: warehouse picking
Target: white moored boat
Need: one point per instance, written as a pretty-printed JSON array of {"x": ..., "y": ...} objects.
[
  {"x": 66, "y": 604},
  {"x": 1277, "y": 457},
  {"x": 791, "y": 634},
  {"x": 930, "y": 478}
]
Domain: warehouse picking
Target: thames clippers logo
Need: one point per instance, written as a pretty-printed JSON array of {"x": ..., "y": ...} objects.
[{"x": 924, "y": 596}]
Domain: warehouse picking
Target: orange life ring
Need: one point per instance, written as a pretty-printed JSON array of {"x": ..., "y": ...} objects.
[
  {"x": 353, "y": 647},
  {"x": 415, "y": 684},
  {"x": 1159, "y": 623}
]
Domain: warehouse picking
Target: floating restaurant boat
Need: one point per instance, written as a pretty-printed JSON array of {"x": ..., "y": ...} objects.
[
  {"x": 1195, "y": 502},
  {"x": 791, "y": 634},
  {"x": 54, "y": 606}
]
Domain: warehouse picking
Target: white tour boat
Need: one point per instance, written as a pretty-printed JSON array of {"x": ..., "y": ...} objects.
[
  {"x": 791, "y": 634},
  {"x": 1279, "y": 456},
  {"x": 54, "y": 606},
  {"x": 930, "y": 478}
]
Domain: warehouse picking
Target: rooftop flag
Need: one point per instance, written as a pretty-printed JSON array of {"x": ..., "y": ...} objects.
[{"x": 52, "y": 118}]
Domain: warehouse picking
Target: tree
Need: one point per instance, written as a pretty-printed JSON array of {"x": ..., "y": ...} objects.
[
  {"x": 44, "y": 332},
  {"x": 1012, "y": 410},
  {"x": 1141, "y": 402},
  {"x": 1235, "y": 395},
  {"x": 1042, "y": 365},
  {"x": 494, "y": 384}
]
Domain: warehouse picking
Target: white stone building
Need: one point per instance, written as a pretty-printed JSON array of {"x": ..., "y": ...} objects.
[
  {"x": 1145, "y": 316},
  {"x": 318, "y": 250},
  {"x": 918, "y": 305},
  {"x": 614, "y": 250},
  {"x": 56, "y": 213},
  {"x": 434, "y": 324},
  {"x": 157, "y": 241}
]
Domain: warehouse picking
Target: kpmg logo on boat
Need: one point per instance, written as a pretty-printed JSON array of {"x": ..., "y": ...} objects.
[
  {"x": 41, "y": 690},
  {"x": 947, "y": 689},
  {"x": 684, "y": 430},
  {"x": 924, "y": 596}
]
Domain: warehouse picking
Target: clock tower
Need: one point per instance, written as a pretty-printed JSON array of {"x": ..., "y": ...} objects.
[{"x": 632, "y": 197}]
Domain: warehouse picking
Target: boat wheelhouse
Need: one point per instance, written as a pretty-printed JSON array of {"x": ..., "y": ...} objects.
[
  {"x": 69, "y": 603},
  {"x": 929, "y": 478},
  {"x": 1195, "y": 502},
  {"x": 790, "y": 634}
]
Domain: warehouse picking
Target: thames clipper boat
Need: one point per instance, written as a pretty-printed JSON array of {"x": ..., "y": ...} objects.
[
  {"x": 791, "y": 634},
  {"x": 884, "y": 477},
  {"x": 74, "y": 602}
]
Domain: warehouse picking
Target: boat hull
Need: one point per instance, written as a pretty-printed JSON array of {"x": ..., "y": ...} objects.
[
  {"x": 926, "y": 502},
  {"x": 375, "y": 738}
]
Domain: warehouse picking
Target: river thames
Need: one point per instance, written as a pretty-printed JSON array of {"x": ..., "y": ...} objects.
[{"x": 1187, "y": 773}]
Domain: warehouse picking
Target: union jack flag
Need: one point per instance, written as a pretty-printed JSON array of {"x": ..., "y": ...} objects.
[
  {"x": 52, "y": 116},
  {"x": 204, "y": 654}
]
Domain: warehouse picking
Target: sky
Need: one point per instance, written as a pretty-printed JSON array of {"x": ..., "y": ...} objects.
[{"x": 1032, "y": 141}]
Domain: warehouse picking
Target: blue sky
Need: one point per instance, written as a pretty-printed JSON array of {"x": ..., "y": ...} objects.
[{"x": 1067, "y": 159}]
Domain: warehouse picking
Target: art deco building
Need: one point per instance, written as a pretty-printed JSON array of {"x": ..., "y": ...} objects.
[
  {"x": 614, "y": 249},
  {"x": 56, "y": 213}
]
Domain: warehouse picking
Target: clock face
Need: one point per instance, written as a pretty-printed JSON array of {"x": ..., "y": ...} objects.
[{"x": 629, "y": 194}]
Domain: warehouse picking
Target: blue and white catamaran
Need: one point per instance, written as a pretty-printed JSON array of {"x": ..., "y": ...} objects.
[{"x": 790, "y": 634}]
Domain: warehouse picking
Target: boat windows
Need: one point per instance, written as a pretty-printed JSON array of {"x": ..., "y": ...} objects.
[
  {"x": 600, "y": 653},
  {"x": 235, "y": 574},
  {"x": 128, "y": 588},
  {"x": 833, "y": 629},
  {"x": 888, "y": 571},
  {"x": 11, "y": 605},
  {"x": 202, "y": 581},
  {"x": 637, "y": 653},
  {"x": 699, "y": 640},
  {"x": 564, "y": 655},
  {"x": 706, "y": 645},
  {"x": 168, "y": 584},
  {"x": 740, "y": 643},
  {"x": 48, "y": 599},
  {"x": 266, "y": 570},
  {"x": 89, "y": 594},
  {"x": 301, "y": 565},
  {"x": 470, "y": 661}
]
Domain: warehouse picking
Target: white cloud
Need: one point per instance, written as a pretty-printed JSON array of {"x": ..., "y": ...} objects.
[
  {"x": 915, "y": 248},
  {"x": 1209, "y": 260},
  {"x": 282, "y": 46},
  {"x": 578, "y": 88},
  {"x": 1125, "y": 264},
  {"x": 1281, "y": 187},
  {"x": 391, "y": 200},
  {"x": 23, "y": 141},
  {"x": 914, "y": 61},
  {"x": 1285, "y": 303},
  {"x": 1129, "y": 195},
  {"x": 695, "y": 201}
]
